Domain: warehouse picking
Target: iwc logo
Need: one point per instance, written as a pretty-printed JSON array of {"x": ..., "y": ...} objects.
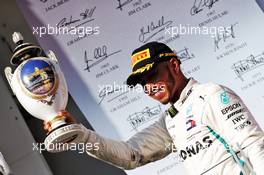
[{"x": 39, "y": 79}]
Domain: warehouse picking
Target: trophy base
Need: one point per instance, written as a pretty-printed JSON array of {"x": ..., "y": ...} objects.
[{"x": 61, "y": 138}]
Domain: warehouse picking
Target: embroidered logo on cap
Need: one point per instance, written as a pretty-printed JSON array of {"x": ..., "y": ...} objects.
[
  {"x": 140, "y": 56},
  {"x": 143, "y": 69}
]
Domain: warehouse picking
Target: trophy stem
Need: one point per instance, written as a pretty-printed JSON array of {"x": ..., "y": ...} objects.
[{"x": 57, "y": 124}]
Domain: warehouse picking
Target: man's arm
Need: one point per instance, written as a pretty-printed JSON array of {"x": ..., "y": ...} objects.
[
  {"x": 229, "y": 116},
  {"x": 146, "y": 146}
]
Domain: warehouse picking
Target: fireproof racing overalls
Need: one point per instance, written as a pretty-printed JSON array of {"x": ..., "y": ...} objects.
[{"x": 211, "y": 123}]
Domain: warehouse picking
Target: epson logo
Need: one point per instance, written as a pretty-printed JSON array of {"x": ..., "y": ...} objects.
[{"x": 230, "y": 108}]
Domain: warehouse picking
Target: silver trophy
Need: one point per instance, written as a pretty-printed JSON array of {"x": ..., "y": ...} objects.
[{"x": 40, "y": 87}]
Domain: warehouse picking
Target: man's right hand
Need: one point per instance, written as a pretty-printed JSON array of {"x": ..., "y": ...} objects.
[{"x": 68, "y": 119}]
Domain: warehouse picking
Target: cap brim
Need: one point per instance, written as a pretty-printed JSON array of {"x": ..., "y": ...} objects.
[{"x": 134, "y": 79}]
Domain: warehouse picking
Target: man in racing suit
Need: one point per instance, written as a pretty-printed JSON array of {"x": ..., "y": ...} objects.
[{"x": 212, "y": 129}]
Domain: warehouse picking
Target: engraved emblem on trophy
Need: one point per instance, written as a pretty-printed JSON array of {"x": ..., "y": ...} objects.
[{"x": 40, "y": 87}]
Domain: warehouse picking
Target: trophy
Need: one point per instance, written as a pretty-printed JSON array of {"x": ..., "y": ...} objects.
[{"x": 40, "y": 87}]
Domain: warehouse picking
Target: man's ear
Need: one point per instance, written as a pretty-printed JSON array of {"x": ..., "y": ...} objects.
[{"x": 175, "y": 64}]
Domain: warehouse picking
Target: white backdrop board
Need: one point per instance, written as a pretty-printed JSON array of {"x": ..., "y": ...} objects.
[{"x": 101, "y": 58}]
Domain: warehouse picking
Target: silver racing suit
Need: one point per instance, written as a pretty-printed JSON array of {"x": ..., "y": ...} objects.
[{"x": 210, "y": 118}]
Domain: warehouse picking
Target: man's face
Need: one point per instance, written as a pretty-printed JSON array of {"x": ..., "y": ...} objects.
[{"x": 159, "y": 83}]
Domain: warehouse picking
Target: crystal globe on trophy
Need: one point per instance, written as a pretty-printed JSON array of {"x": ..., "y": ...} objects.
[{"x": 40, "y": 87}]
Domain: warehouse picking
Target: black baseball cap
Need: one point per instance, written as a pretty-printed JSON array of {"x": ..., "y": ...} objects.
[{"x": 145, "y": 58}]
